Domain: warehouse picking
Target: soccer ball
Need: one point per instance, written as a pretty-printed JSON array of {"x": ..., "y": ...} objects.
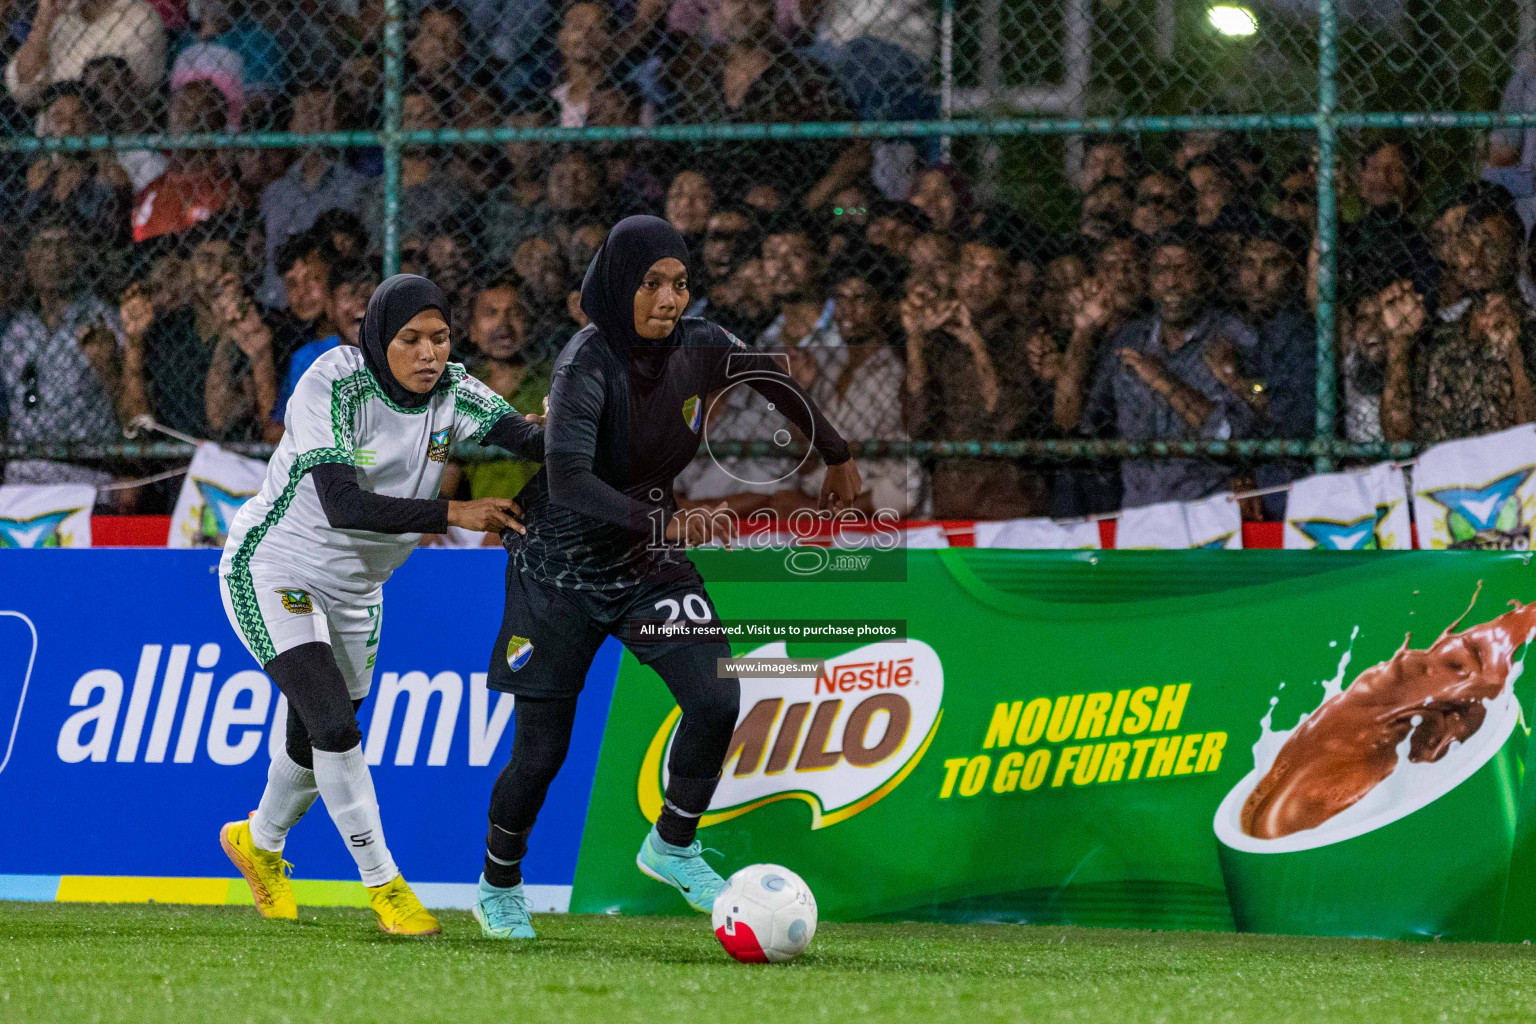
[{"x": 765, "y": 915}]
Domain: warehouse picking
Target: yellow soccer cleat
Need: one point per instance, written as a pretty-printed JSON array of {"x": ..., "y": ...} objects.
[
  {"x": 400, "y": 912},
  {"x": 265, "y": 872}
]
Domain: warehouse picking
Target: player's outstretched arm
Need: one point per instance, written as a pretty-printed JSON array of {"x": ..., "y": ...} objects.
[
  {"x": 842, "y": 483},
  {"x": 488, "y": 515},
  {"x": 573, "y": 485},
  {"x": 767, "y": 378},
  {"x": 518, "y": 435},
  {"x": 348, "y": 507}
]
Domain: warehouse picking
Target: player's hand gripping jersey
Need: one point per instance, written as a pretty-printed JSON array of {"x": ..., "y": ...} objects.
[
  {"x": 339, "y": 414},
  {"x": 634, "y": 418}
]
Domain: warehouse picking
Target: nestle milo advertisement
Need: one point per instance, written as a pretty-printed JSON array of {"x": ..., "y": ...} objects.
[{"x": 1327, "y": 743}]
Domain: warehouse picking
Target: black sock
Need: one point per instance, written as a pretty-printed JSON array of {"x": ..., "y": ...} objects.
[
  {"x": 504, "y": 852},
  {"x": 677, "y": 829},
  {"x": 686, "y": 801}
]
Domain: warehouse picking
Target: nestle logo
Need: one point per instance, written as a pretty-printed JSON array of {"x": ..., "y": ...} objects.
[{"x": 866, "y": 675}]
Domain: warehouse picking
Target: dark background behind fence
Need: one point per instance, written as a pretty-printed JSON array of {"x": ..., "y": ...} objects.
[{"x": 1040, "y": 258}]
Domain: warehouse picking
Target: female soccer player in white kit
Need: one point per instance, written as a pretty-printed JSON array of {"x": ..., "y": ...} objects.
[{"x": 349, "y": 491}]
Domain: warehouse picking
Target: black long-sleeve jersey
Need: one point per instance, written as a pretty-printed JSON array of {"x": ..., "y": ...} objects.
[{"x": 621, "y": 426}]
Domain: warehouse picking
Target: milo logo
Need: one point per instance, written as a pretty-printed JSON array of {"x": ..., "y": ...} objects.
[{"x": 838, "y": 743}]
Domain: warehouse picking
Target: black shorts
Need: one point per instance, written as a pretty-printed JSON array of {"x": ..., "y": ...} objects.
[{"x": 549, "y": 635}]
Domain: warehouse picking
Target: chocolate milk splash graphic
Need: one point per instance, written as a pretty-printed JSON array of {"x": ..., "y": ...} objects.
[{"x": 1350, "y": 743}]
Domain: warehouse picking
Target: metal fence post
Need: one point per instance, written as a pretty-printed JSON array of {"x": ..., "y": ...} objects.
[
  {"x": 1327, "y": 224},
  {"x": 394, "y": 61},
  {"x": 989, "y": 67},
  {"x": 946, "y": 74},
  {"x": 1525, "y": 47},
  {"x": 1077, "y": 56}
]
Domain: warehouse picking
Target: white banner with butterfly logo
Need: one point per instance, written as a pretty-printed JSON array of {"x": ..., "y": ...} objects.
[
  {"x": 1215, "y": 522},
  {"x": 46, "y": 515},
  {"x": 1037, "y": 534},
  {"x": 217, "y": 484},
  {"x": 1364, "y": 511},
  {"x": 1477, "y": 493}
]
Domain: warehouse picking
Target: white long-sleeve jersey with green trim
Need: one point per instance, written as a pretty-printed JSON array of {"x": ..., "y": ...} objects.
[{"x": 338, "y": 413}]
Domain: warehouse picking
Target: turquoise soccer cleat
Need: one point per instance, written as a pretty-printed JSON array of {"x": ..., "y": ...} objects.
[
  {"x": 503, "y": 913},
  {"x": 683, "y": 868}
]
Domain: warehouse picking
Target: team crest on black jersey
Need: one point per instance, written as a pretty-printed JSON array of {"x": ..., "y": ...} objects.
[
  {"x": 437, "y": 450},
  {"x": 519, "y": 650},
  {"x": 693, "y": 413},
  {"x": 297, "y": 602}
]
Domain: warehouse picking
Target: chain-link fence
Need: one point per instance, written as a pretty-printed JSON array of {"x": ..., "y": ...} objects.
[{"x": 1036, "y": 258}]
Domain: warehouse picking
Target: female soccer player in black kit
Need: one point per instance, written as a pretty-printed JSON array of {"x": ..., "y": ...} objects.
[{"x": 604, "y": 552}]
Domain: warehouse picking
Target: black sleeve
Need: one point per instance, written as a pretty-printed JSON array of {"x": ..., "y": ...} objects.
[
  {"x": 349, "y": 507},
  {"x": 766, "y": 376},
  {"x": 518, "y": 436},
  {"x": 576, "y": 396},
  {"x": 573, "y": 485}
]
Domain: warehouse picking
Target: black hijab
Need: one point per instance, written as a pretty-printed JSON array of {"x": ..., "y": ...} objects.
[
  {"x": 393, "y": 305},
  {"x": 608, "y": 291}
]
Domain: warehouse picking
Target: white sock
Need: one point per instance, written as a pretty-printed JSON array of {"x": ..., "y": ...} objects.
[
  {"x": 347, "y": 789},
  {"x": 290, "y": 792}
]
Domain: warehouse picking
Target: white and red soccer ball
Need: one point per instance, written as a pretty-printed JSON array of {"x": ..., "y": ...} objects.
[{"x": 765, "y": 915}]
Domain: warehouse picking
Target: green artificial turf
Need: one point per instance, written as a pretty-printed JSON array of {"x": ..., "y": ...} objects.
[{"x": 186, "y": 964}]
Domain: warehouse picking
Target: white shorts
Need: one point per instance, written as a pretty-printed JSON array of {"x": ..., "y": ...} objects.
[{"x": 274, "y": 610}]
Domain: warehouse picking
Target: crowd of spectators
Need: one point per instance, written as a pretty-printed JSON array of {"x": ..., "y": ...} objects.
[{"x": 196, "y": 285}]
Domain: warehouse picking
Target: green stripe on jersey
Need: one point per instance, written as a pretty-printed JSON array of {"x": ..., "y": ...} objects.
[
  {"x": 373, "y": 390},
  {"x": 485, "y": 410},
  {"x": 347, "y": 394},
  {"x": 242, "y": 589}
]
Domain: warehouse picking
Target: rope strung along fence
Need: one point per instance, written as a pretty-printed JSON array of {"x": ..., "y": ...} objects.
[{"x": 489, "y": 145}]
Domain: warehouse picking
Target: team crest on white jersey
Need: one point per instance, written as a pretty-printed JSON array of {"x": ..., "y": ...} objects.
[
  {"x": 297, "y": 602},
  {"x": 437, "y": 450}
]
